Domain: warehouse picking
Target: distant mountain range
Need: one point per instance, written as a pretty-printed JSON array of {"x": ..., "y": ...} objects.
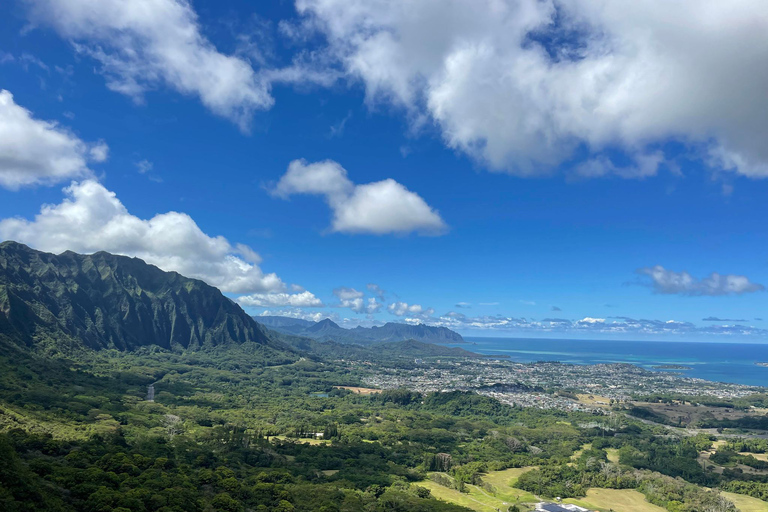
[
  {"x": 327, "y": 330},
  {"x": 103, "y": 301}
]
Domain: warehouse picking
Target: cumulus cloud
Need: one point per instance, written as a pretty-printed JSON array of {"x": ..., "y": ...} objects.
[
  {"x": 520, "y": 84},
  {"x": 92, "y": 218},
  {"x": 618, "y": 326},
  {"x": 464, "y": 305},
  {"x": 682, "y": 283},
  {"x": 356, "y": 301},
  {"x": 303, "y": 314},
  {"x": 303, "y": 299},
  {"x": 412, "y": 311},
  {"x": 33, "y": 151},
  {"x": 143, "y": 44},
  {"x": 379, "y": 208},
  {"x": 344, "y": 293}
]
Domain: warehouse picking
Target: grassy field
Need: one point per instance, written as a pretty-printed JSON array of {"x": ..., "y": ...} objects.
[
  {"x": 758, "y": 456},
  {"x": 481, "y": 500},
  {"x": 624, "y": 500},
  {"x": 473, "y": 500},
  {"x": 581, "y": 450},
  {"x": 594, "y": 400},
  {"x": 613, "y": 455},
  {"x": 747, "y": 503},
  {"x": 360, "y": 391}
]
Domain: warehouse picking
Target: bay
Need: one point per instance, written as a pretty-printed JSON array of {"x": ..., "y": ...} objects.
[{"x": 719, "y": 362}]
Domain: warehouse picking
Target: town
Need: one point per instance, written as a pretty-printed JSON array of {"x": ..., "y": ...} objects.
[{"x": 547, "y": 385}]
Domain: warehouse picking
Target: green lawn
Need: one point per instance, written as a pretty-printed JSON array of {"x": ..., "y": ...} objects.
[
  {"x": 481, "y": 500},
  {"x": 747, "y": 503},
  {"x": 625, "y": 500}
]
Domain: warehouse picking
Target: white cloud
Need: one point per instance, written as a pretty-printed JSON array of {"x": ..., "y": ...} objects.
[
  {"x": 590, "y": 320},
  {"x": 644, "y": 165},
  {"x": 144, "y": 166},
  {"x": 378, "y": 208},
  {"x": 299, "y": 313},
  {"x": 303, "y": 299},
  {"x": 414, "y": 311},
  {"x": 99, "y": 152},
  {"x": 143, "y": 44},
  {"x": 375, "y": 289},
  {"x": 373, "y": 306},
  {"x": 91, "y": 218},
  {"x": 682, "y": 283},
  {"x": 354, "y": 300},
  {"x": 520, "y": 84},
  {"x": 616, "y": 326},
  {"x": 344, "y": 293},
  {"x": 35, "y": 152}
]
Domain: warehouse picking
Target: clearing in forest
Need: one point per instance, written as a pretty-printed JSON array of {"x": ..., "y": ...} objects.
[
  {"x": 625, "y": 500},
  {"x": 483, "y": 500},
  {"x": 747, "y": 503},
  {"x": 360, "y": 391}
]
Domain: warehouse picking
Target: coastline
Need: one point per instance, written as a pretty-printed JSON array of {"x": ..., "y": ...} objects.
[{"x": 717, "y": 362}]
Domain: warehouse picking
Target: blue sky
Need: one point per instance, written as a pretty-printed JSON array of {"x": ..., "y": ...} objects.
[{"x": 570, "y": 169}]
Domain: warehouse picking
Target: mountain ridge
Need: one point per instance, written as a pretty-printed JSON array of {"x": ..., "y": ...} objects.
[
  {"x": 327, "y": 330},
  {"x": 104, "y": 301}
]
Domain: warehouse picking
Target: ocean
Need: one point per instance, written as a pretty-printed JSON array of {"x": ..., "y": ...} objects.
[{"x": 720, "y": 362}]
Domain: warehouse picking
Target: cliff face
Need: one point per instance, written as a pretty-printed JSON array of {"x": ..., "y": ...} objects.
[{"x": 105, "y": 301}]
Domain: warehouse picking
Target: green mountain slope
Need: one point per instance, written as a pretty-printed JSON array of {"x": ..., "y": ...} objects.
[{"x": 101, "y": 301}]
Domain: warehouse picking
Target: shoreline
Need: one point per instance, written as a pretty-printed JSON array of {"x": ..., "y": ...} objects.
[{"x": 732, "y": 363}]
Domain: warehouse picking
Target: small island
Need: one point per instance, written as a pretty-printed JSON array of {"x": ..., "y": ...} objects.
[{"x": 672, "y": 367}]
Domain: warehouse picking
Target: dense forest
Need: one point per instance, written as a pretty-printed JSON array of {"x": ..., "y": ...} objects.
[{"x": 231, "y": 430}]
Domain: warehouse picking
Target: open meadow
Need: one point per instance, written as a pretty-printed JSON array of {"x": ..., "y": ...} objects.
[{"x": 623, "y": 500}]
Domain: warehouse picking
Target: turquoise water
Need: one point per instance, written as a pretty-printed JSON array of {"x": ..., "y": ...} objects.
[{"x": 721, "y": 362}]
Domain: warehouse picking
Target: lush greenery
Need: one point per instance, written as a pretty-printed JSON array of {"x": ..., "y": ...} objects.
[{"x": 244, "y": 419}]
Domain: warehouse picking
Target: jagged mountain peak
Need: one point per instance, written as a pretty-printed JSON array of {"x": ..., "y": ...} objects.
[{"x": 104, "y": 300}]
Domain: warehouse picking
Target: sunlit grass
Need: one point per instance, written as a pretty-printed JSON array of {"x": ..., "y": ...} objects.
[
  {"x": 625, "y": 500},
  {"x": 747, "y": 503},
  {"x": 482, "y": 500}
]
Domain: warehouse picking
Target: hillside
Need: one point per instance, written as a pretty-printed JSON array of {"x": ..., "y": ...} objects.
[
  {"x": 327, "y": 330},
  {"x": 101, "y": 301}
]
